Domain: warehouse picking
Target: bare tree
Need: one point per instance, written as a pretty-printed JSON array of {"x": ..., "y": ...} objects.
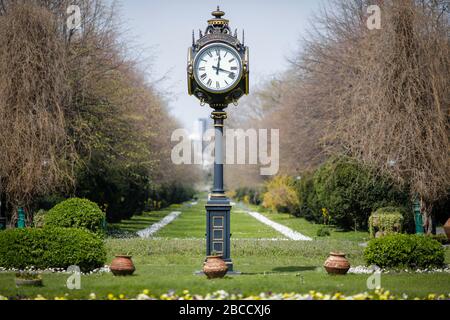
[
  {"x": 36, "y": 155},
  {"x": 389, "y": 91}
]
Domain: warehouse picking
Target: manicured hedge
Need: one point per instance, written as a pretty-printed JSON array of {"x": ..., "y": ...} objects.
[
  {"x": 51, "y": 247},
  {"x": 404, "y": 251},
  {"x": 77, "y": 213}
]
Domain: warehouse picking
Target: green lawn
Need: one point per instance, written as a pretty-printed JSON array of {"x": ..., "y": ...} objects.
[
  {"x": 191, "y": 224},
  {"x": 168, "y": 261},
  {"x": 144, "y": 220},
  {"x": 305, "y": 227},
  {"x": 277, "y": 266}
]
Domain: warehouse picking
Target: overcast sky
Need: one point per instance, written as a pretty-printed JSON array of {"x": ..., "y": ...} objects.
[{"x": 272, "y": 31}]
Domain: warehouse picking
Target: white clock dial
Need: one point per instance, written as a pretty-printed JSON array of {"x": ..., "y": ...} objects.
[{"x": 217, "y": 68}]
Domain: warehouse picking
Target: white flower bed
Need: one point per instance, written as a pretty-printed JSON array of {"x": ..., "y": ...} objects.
[
  {"x": 287, "y": 232},
  {"x": 369, "y": 270},
  {"x": 147, "y": 233},
  {"x": 104, "y": 269}
]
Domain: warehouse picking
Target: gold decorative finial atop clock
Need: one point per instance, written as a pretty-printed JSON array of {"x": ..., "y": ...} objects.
[{"x": 218, "y": 20}]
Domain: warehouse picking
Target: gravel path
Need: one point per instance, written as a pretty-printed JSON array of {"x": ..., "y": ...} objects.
[
  {"x": 148, "y": 232},
  {"x": 287, "y": 232}
]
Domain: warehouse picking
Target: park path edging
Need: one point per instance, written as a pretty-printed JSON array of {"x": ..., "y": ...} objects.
[
  {"x": 287, "y": 232},
  {"x": 148, "y": 232}
]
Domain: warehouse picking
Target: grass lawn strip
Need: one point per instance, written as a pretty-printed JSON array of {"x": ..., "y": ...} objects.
[
  {"x": 287, "y": 232},
  {"x": 267, "y": 266},
  {"x": 148, "y": 232},
  {"x": 191, "y": 224}
]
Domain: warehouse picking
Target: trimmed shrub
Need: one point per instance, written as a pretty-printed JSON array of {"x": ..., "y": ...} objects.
[
  {"x": 441, "y": 238},
  {"x": 404, "y": 251},
  {"x": 323, "y": 232},
  {"x": 385, "y": 221},
  {"x": 281, "y": 195},
  {"x": 51, "y": 247},
  {"x": 351, "y": 192},
  {"x": 77, "y": 213}
]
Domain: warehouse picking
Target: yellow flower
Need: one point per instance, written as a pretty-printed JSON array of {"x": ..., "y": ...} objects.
[
  {"x": 337, "y": 296},
  {"x": 121, "y": 296},
  {"x": 185, "y": 291},
  {"x": 146, "y": 292},
  {"x": 110, "y": 296}
]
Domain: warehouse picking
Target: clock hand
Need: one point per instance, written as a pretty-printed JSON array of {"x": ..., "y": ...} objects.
[
  {"x": 218, "y": 66},
  {"x": 220, "y": 69}
]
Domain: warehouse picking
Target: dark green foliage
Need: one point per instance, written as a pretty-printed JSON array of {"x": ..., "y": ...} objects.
[
  {"x": 351, "y": 192},
  {"x": 404, "y": 251},
  {"x": 441, "y": 210},
  {"x": 308, "y": 202},
  {"x": 168, "y": 194},
  {"x": 51, "y": 248},
  {"x": 48, "y": 201},
  {"x": 120, "y": 188},
  {"x": 441, "y": 238},
  {"x": 125, "y": 189},
  {"x": 76, "y": 213}
]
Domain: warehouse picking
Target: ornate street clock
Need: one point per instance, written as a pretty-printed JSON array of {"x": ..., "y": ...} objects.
[
  {"x": 218, "y": 68},
  {"x": 218, "y": 75}
]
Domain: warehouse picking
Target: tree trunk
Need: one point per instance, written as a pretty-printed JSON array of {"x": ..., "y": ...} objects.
[{"x": 426, "y": 210}]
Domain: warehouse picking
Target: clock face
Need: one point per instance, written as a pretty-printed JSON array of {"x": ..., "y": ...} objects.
[{"x": 218, "y": 68}]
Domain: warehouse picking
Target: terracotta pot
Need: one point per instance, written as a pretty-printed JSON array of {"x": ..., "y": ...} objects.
[
  {"x": 215, "y": 267},
  {"x": 337, "y": 263},
  {"x": 122, "y": 266},
  {"x": 447, "y": 228}
]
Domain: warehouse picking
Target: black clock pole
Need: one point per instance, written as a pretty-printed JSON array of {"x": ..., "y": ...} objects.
[
  {"x": 219, "y": 117},
  {"x": 218, "y": 208}
]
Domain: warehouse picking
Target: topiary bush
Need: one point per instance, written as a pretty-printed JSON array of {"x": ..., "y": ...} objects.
[
  {"x": 385, "y": 221},
  {"x": 404, "y": 251},
  {"x": 77, "y": 213},
  {"x": 323, "y": 232},
  {"x": 51, "y": 247}
]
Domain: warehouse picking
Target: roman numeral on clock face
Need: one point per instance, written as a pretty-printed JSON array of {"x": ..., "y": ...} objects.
[
  {"x": 218, "y": 52},
  {"x": 201, "y": 69},
  {"x": 231, "y": 60},
  {"x": 232, "y": 75},
  {"x": 210, "y": 54},
  {"x": 217, "y": 84},
  {"x": 233, "y": 68},
  {"x": 203, "y": 76},
  {"x": 209, "y": 82}
]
